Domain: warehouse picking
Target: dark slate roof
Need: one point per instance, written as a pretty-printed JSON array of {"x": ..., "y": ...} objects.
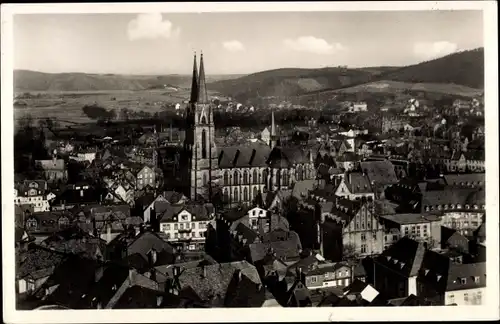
[
  {"x": 346, "y": 209},
  {"x": 107, "y": 286},
  {"x": 243, "y": 292},
  {"x": 382, "y": 172},
  {"x": 213, "y": 281},
  {"x": 404, "y": 257},
  {"x": 36, "y": 259},
  {"x": 200, "y": 211},
  {"x": 137, "y": 297},
  {"x": 301, "y": 188},
  {"x": 285, "y": 250},
  {"x": 465, "y": 180},
  {"x": 468, "y": 272},
  {"x": 243, "y": 156},
  {"x": 448, "y": 196},
  {"x": 357, "y": 183}
]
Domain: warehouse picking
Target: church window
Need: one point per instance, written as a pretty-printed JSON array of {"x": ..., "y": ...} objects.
[
  {"x": 236, "y": 177},
  {"x": 226, "y": 178},
  {"x": 286, "y": 178},
  {"x": 245, "y": 177},
  {"x": 203, "y": 120},
  {"x": 236, "y": 195},
  {"x": 245, "y": 194},
  {"x": 226, "y": 196},
  {"x": 300, "y": 175},
  {"x": 255, "y": 176},
  {"x": 205, "y": 179},
  {"x": 203, "y": 144},
  {"x": 255, "y": 192}
]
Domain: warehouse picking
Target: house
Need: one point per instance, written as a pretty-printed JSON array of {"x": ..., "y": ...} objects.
[
  {"x": 397, "y": 268},
  {"x": 421, "y": 227},
  {"x": 32, "y": 193},
  {"x": 445, "y": 282},
  {"x": 380, "y": 173},
  {"x": 186, "y": 223},
  {"x": 141, "y": 251},
  {"x": 33, "y": 267},
  {"x": 354, "y": 185},
  {"x": 146, "y": 176},
  {"x": 265, "y": 135},
  {"x": 324, "y": 274},
  {"x": 74, "y": 240},
  {"x": 219, "y": 285},
  {"x": 452, "y": 239},
  {"x": 43, "y": 224},
  {"x": 357, "y": 106},
  {"x": 79, "y": 283},
  {"x": 78, "y": 194},
  {"x": 460, "y": 208},
  {"x": 282, "y": 244},
  {"x": 347, "y": 161},
  {"x": 465, "y": 180},
  {"x": 151, "y": 202},
  {"x": 54, "y": 170},
  {"x": 350, "y": 227}
]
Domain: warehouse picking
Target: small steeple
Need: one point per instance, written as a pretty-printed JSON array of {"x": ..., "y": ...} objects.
[
  {"x": 273, "y": 136},
  {"x": 273, "y": 127},
  {"x": 194, "y": 84},
  {"x": 202, "y": 87}
]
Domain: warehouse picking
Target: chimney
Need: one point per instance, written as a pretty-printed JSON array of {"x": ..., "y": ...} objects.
[
  {"x": 131, "y": 274},
  {"x": 108, "y": 233},
  {"x": 159, "y": 300},
  {"x": 238, "y": 272}
]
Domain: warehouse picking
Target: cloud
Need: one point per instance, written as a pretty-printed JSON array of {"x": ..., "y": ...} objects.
[
  {"x": 151, "y": 26},
  {"x": 429, "y": 50},
  {"x": 233, "y": 46},
  {"x": 311, "y": 44}
]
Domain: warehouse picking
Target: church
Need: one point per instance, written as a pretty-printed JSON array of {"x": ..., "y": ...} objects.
[{"x": 240, "y": 172}]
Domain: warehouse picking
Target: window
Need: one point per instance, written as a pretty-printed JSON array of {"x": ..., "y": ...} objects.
[
  {"x": 463, "y": 281},
  {"x": 176, "y": 235},
  {"x": 451, "y": 299},
  {"x": 226, "y": 180},
  {"x": 176, "y": 226},
  {"x": 204, "y": 144},
  {"x": 363, "y": 237},
  {"x": 314, "y": 279},
  {"x": 167, "y": 226},
  {"x": 363, "y": 248},
  {"x": 406, "y": 231},
  {"x": 479, "y": 298},
  {"x": 466, "y": 298},
  {"x": 181, "y": 226}
]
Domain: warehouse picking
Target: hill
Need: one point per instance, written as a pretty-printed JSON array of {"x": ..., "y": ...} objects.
[
  {"x": 463, "y": 69},
  {"x": 25, "y": 81}
]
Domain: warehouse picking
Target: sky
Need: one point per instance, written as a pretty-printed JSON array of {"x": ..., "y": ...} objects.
[{"x": 238, "y": 43}]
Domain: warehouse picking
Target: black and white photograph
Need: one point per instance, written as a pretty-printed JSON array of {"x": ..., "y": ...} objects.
[{"x": 200, "y": 155}]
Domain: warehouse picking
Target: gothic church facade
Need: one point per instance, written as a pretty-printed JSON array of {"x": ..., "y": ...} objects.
[{"x": 242, "y": 172}]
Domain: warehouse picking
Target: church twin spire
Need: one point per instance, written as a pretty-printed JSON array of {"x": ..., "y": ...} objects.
[{"x": 198, "y": 85}]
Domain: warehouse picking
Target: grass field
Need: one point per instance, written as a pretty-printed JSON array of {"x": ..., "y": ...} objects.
[{"x": 67, "y": 106}]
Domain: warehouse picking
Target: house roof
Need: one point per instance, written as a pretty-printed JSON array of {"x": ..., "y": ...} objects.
[
  {"x": 286, "y": 250},
  {"x": 357, "y": 183},
  {"x": 243, "y": 292},
  {"x": 301, "y": 188},
  {"x": 468, "y": 271},
  {"x": 403, "y": 219},
  {"x": 381, "y": 172},
  {"x": 37, "y": 258},
  {"x": 200, "y": 211},
  {"x": 465, "y": 180},
  {"x": 447, "y": 196},
  {"x": 404, "y": 257},
  {"x": 254, "y": 155},
  {"x": 137, "y": 297},
  {"x": 212, "y": 281}
]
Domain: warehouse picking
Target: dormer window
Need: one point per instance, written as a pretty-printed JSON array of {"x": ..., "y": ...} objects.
[
  {"x": 439, "y": 277},
  {"x": 463, "y": 281},
  {"x": 426, "y": 271}
]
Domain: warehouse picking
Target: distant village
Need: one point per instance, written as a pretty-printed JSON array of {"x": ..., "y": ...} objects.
[{"x": 356, "y": 208}]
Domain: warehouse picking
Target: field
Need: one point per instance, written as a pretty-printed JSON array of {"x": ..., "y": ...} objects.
[
  {"x": 66, "y": 107},
  {"x": 396, "y": 86}
]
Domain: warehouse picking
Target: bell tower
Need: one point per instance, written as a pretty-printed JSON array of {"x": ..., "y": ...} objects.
[{"x": 200, "y": 137}]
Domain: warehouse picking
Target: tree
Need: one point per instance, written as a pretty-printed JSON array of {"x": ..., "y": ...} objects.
[{"x": 349, "y": 252}]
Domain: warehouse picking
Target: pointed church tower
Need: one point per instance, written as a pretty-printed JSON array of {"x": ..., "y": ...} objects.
[
  {"x": 203, "y": 162},
  {"x": 194, "y": 83}
]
